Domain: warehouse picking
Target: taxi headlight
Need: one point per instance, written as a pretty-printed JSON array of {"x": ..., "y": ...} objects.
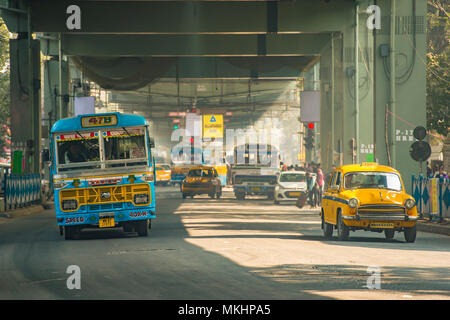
[
  {"x": 353, "y": 203},
  {"x": 409, "y": 204}
]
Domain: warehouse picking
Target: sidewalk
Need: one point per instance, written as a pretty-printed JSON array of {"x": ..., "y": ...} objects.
[
  {"x": 25, "y": 211},
  {"x": 20, "y": 212},
  {"x": 434, "y": 227}
]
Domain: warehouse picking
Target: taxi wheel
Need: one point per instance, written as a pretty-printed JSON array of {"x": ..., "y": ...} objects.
[
  {"x": 410, "y": 234},
  {"x": 184, "y": 195},
  {"x": 342, "y": 230},
  {"x": 327, "y": 230},
  {"x": 275, "y": 201},
  {"x": 389, "y": 234}
]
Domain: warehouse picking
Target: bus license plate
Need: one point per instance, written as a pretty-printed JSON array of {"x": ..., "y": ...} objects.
[
  {"x": 106, "y": 222},
  {"x": 256, "y": 189},
  {"x": 382, "y": 225}
]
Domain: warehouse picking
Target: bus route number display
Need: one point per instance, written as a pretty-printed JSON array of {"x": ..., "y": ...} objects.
[{"x": 98, "y": 121}]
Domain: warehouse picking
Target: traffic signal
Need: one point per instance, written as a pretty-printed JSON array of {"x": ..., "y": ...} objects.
[
  {"x": 309, "y": 139},
  {"x": 175, "y": 127},
  {"x": 420, "y": 150}
]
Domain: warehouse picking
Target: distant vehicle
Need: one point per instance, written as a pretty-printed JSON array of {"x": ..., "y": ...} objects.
[
  {"x": 290, "y": 186},
  {"x": 254, "y": 170},
  {"x": 184, "y": 158},
  {"x": 368, "y": 197},
  {"x": 202, "y": 180},
  {"x": 187, "y": 157},
  {"x": 103, "y": 175},
  {"x": 163, "y": 173}
]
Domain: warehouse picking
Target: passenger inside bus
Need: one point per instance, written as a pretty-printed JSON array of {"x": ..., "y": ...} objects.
[{"x": 74, "y": 154}]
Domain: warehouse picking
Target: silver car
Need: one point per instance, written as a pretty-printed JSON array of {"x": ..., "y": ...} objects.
[{"x": 290, "y": 185}]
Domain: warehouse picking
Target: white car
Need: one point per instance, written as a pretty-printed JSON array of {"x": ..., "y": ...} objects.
[{"x": 290, "y": 185}]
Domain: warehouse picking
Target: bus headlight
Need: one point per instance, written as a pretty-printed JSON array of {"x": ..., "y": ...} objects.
[
  {"x": 59, "y": 184},
  {"x": 69, "y": 205},
  {"x": 141, "y": 198},
  {"x": 353, "y": 203},
  {"x": 409, "y": 204}
]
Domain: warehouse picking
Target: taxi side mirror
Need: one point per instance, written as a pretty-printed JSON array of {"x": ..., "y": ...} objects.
[{"x": 334, "y": 188}]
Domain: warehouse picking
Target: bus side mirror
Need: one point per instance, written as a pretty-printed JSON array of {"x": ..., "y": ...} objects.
[
  {"x": 45, "y": 155},
  {"x": 152, "y": 143}
]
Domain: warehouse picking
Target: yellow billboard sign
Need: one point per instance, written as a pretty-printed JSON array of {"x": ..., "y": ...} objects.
[{"x": 212, "y": 126}]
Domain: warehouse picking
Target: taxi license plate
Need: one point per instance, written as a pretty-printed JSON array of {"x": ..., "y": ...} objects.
[
  {"x": 295, "y": 194},
  {"x": 381, "y": 225},
  {"x": 256, "y": 189},
  {"x": 106, "y": 223}
]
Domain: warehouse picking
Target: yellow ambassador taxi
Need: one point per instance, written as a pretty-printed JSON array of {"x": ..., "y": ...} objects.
[
  {"x": 367, "y": 197},
  {"x": 202, "y": 180},
  {"x": 163, "y": 173}
]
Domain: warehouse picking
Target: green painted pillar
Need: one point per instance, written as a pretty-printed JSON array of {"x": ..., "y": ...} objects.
[{"x": 25, "y": 104}]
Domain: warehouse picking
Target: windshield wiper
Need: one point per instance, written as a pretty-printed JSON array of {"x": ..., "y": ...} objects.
[
  {"x": 126, "y": 131},
  {"x": 84, "y": 139}
]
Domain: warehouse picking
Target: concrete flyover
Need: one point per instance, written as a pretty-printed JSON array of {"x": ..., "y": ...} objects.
[{"x": 372, "y": 82}]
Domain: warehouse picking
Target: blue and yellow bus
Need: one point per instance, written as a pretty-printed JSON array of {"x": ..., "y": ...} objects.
[{"x": 103, "y": 173}]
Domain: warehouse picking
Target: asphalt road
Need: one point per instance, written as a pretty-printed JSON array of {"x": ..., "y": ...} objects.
[{"x": 206, "y": 248}]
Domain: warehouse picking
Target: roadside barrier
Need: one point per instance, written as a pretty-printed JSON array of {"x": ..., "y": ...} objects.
[
  {"x": 20, "y": 190},
  {"x": 432, "y": 196}
]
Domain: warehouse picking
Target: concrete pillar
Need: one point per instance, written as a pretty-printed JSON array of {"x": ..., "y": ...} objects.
[{"x": 25, "y": 105}]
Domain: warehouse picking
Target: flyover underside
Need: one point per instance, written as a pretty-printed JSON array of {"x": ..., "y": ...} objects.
[{"x": 136, "y": 46}]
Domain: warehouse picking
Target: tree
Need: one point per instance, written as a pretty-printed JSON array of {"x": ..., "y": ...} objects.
[
  {"x": 5, "y": 133},
  {"x": 438, "y": 67}
]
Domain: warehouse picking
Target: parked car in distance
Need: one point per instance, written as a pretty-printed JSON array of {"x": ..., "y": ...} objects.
[{"x": 163, "y": 173}]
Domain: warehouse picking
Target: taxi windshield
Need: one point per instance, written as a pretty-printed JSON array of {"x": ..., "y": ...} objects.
[
  {"x": 372, "y": 180},
  {"x": 200, "y": 173},
  {"x": 293, "y": 177}
]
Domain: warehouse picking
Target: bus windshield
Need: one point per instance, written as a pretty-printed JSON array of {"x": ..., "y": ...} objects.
[
  {"x": 125, "y": 144},
  {"x": 101, "y": 149}
]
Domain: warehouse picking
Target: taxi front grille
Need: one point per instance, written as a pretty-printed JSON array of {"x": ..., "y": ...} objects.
[
  {"x": 105, "y": 196},
  {"x": 381, "y": 209}
]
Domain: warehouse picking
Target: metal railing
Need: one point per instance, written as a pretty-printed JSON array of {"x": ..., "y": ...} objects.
[
  {"x": 432, "y": 196},
  {"x": 19, "y": 191}
]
